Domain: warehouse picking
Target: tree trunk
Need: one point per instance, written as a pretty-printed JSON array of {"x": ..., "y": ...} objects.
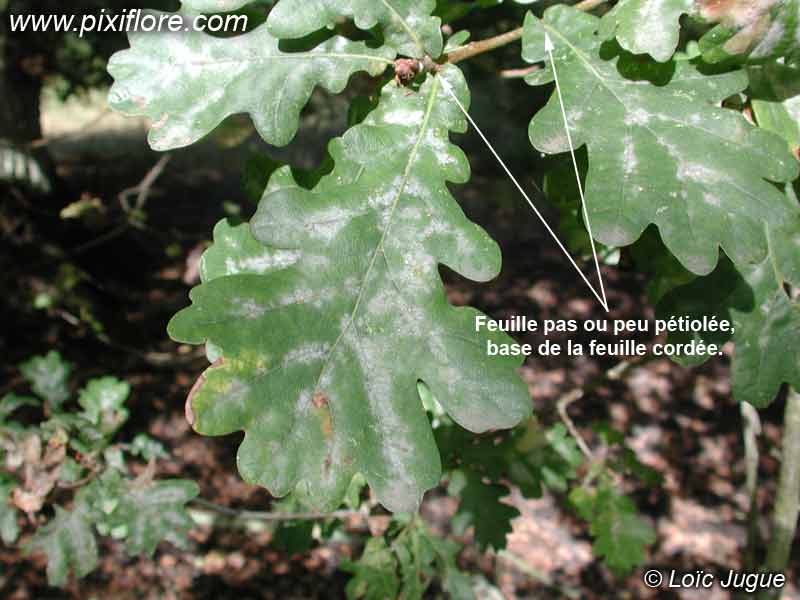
[{"x": 21, "y": 163}]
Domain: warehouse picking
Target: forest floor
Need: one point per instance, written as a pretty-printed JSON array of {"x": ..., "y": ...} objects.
[{"x": 681, "y": 422}]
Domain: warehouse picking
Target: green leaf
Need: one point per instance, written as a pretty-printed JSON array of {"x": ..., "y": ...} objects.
[
  {"x": 103, "y": 403},
  {"x": 444, "y": 553},
  {"x": 70, "y": 471},
  {"x": 782, "y": 118},
  {"x": 544, "y": 459},
  {"x": 458, "y": 39},
  {"x": 375, "y": 573},
  {"x": 416, "y": 558},
  {"x": 767, "y": 342},
  {"x": 766, "y": 321},
  {"x": 621, "y": 458},
  {"x": 453, "y": 580},
  {"x": 143, "y": 512},
  {"x": 353, "y": 496},
  {"x": 662, "y": 154},
  {"x": 775, "y": 97},
  {"x": 322, "y": 358},
  {"x": 69, "y": 543},
  {"x": 560, "y": 186},
  {"x": 154, "y": 511},
  {"x": 647, "y": 27},
  {"x": 620, "y": 535},
  {"x": 480, "y": 506},
  {"x": 756, "y": 34},
  {"x": 529, "y": 457},
  {"x": 236, "y": 251},
  {"x": 407, "y": 25},
  {"x": 188, "y": 83},
  {"x": 48, "y": 377},
  {"x": 667, "y": 273},
  {"x": 423, "y": 558},
  {"x": 718, "y": 295},
  {"x": 147, "y": 448},
  {"x": 9, "y": 527},
  {"x": 292, "y": 537},
  {"x": 406, "y": 567}
]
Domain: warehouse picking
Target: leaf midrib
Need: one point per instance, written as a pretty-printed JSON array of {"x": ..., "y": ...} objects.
[
  {"x": 379, "y": 246},
  {"x": 585, "y": 59}
]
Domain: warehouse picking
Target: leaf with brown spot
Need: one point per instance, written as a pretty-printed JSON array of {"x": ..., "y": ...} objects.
[
  {"x": 198, "y": 385},
  {"x": 324, "y": 347}
]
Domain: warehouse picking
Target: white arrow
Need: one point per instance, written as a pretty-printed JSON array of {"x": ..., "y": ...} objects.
[
  {"x": 549, "y": 47},
  {"x": 602, "y": 299}
]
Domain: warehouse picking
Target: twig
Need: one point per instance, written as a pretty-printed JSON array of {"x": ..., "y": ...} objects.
[
  {"x": 588, "y": 5},
  {"x": 751, "y": 430},
  {"x": 520, "y": 564},
  {"x": 45, "y": 141},
  {"x": 614, "y": 374},
  {"x": 142, "y": 191},
  {"x": 156, "y": 360},
  {"x": 518, "y": 73},
  {"x": 249, "y": 515},
  {"x": 76, "y": 484},
  {"x": 787, "y": 501},
  {"x": 563, "y": 407},
  {"x": 480, "y": 47},
  {"x": 100, "y": 240}
]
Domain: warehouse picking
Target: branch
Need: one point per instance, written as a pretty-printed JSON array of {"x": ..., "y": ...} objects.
[
  {"x": 614, "y": 374},
  {"x": 588, "y": 5},
  {"x": 249, "y": 515},
  {"x": 142, "y": 191},
  {"x": 563, "y": 407},
  {"x": 787, "y": 501},
  {"x": 475, "y": 48},
  {"x": 518, "y": 73}
]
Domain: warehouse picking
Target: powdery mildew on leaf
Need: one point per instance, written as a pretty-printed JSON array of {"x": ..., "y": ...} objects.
[
  {"x": 756, "y": 31},
  {"x": 187, "y": 83},
  {"x": 647, "y": 26},
  {"x": 236, "y": 251},
  {"x": 321, "y": 359},
  {"x": 69, "y": 543},
  {"x": 407, "y": 25},
  {"x": 155, "y": 511},
  {"x": 662, "y": 154}
]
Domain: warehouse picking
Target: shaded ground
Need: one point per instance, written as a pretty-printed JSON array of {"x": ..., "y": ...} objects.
[{"x": 681, "y": 422}]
